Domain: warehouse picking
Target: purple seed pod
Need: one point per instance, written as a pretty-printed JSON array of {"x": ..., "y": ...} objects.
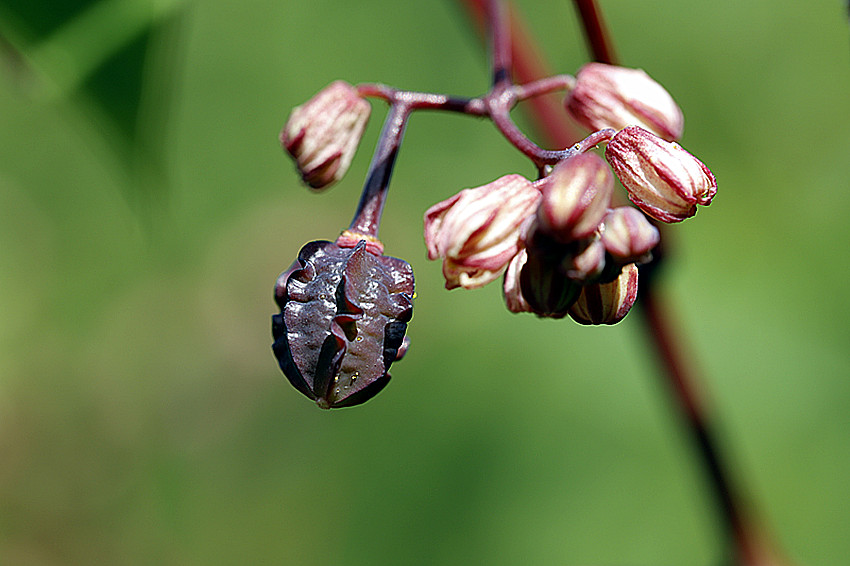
[{"x": 343, "y": 315}]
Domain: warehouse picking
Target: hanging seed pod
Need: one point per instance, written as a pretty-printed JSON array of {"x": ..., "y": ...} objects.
[{"x": 344, "y": 313}]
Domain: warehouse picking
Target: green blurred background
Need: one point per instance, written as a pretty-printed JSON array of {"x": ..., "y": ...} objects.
[{"x": 146, "y": 209}]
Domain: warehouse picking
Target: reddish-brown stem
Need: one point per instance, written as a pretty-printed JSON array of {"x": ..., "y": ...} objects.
[
  {"x": 500, "y": 45},
  {"x": 680, "y": 374},
  {"x": 367, "y": 218},
  {"x": 496, "y": 104},
  {"x": 681, "y": 382},
  {"x": 595, "y": 32},
  {"x": 503, "y": 96},
  {"x": 746, "y": 545},
  {"x": 423, "y": 100},
  {"x": 546, "y": 113},
  {"x": 544, "y": 86}
]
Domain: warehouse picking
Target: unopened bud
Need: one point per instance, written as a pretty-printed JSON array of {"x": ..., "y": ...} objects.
[
  {"x": 511, "y": 291},
  {"x": 628, "y": 236},
  {"x": 545, "y": 286},
  {"x": 587, "y": 262},
  {"x": 607, "y": 303},
  {"x": 606, "y": 96},
  {"x": 343, "y": 315},
  {"x": 662, "y": 179},
  {"x": 323, "y": 133},
  {"x": 476, "y": 232},
  {"x": 576, "y": 195}
]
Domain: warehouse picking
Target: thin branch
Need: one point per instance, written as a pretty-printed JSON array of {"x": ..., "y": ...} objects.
[
  {"x": 597, "y": 36},
  {"x": 678, "y": 370},
  {"x": 367, "y": 218},
  {"x": 500, "y": 44},
  {"x": 546, "y": 114}
]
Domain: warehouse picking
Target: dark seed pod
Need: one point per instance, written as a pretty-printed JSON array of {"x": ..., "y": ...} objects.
[
  {"x": 344, "y": 313},
  {"x": 543, "y": 280},
  {"x": 546, "y": 287}
]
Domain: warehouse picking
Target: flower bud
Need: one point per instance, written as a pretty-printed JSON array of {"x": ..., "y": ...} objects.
[
  {"x": 476, "y": 232},
  {"x": 662, "y": 179},
  {"x": 537, "y": 280},
  {"x": 343, "y": 315},
  {"x": 587, "y": 262},
  {"x": 576, "y": 195},
  {"x": 545, "y": 287},
  {"x": 607, "y": 303},
  {"x": 628, "y": 236},
  {"x": 322, "y": 134},
  {"x": 511, "y": 291},
  {"x": 606, "y": 96}
]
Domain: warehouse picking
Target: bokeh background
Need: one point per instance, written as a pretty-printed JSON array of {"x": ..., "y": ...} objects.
[{"x": 146, "y": 209}]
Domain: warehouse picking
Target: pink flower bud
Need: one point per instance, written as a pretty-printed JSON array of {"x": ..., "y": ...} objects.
[
  {"x": 663, "y": 180},
  {"x": 511, "y": 291},
  {"x": 576, "y": 196},
  {"x": 323, "y": 133},
  {"x": 628, "y": 236},
  {"x": 607, "y": 303},
  {"x": 587, "y": 263},
  {"x": 606, "y": 96},
  {"x": 476, "y": 232}
]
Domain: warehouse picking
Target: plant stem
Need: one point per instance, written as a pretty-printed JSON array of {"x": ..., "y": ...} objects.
[
  {"x": 544, "y": 86},
  {"x": 547, "y": 114},
  {"x": 678, "y": 370},
  {"x": 503, "y": 95},
  {"x": 367, "y": 218},
  {"x": 424, "y": 100},
  {"x": 595, "y": 31},
  {"x": 496, "y": 104},
  {"x": 681, "y": 381},
  {"x": 500, "y": 45}
]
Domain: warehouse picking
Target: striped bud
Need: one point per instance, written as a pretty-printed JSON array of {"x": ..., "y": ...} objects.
[
  {"x": 476, "y": 232},
  {"x": 628, "y": 236},
  {"x": 576, "y": 195},
  {"x": 606, "y": 96},
  {"x": 322, "y": 134},
  {"x": 662, "y": 179},
  {"x": 607, "y": 303}
]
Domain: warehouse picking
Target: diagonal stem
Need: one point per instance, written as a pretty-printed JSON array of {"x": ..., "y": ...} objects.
[
  {"x": 744, "y": 547},
  {"x": 680, "y": 375},
  {"x": 681, "y": 381},
  {"x": 595, "y": 31},
  {"x": 367, "y": 218}
]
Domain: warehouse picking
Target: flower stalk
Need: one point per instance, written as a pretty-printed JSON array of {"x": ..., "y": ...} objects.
[{"x": 367, "y": 217}]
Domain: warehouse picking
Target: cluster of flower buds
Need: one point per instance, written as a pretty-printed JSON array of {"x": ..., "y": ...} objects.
[
  {"x": 563, "y": 249},
  {"x": 580, "y": 254},
  {"x": 344, "y": 310}
]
